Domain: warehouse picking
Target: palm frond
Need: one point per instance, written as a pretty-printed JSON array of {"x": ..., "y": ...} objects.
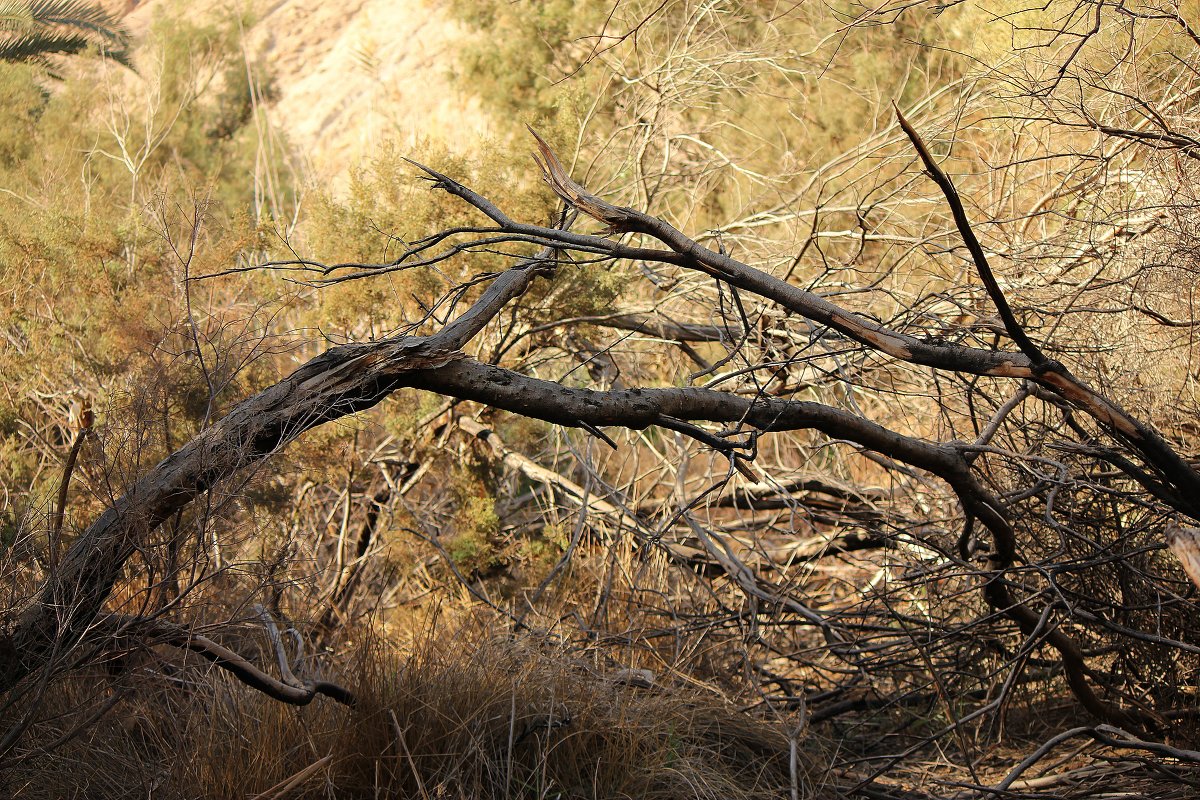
[
  {"x": 41, "y": 28},
  {"x": 76, "y": 14},
  {"x": 15, "y": 16},
  {"x": 35, "y": 47}
]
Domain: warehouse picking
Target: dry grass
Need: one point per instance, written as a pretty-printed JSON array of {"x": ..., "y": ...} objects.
[{"x": 463, "y": 715}]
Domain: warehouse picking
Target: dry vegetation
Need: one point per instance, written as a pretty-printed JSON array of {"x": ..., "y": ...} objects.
[{"x": 709, "y": 462}]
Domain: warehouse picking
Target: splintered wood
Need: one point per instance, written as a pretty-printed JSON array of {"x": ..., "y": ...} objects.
[{"x": 1185, "y": 544}]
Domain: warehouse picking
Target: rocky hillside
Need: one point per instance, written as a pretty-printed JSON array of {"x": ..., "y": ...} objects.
[{"x": 351, "y": 75}]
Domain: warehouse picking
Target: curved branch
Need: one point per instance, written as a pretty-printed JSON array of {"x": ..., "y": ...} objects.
[
  {"x": 339, "y": 382},
  {"x": 291, "y": 690}
]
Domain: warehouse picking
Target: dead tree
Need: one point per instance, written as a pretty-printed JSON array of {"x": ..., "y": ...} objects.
[{"x": 69, "y": 609}]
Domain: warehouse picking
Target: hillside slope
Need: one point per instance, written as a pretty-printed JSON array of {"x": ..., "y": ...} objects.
[{"x": 351, "y": 75}]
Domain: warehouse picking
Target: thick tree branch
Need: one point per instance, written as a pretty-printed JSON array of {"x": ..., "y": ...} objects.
[
  {"x": 946, "y": 356},
  {"x": 351, "y": 378},
  {"x": 341, "y": 381}
]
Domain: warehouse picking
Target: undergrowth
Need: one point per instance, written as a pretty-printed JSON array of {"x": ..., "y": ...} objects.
[{"x": 462, "y": 714}]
